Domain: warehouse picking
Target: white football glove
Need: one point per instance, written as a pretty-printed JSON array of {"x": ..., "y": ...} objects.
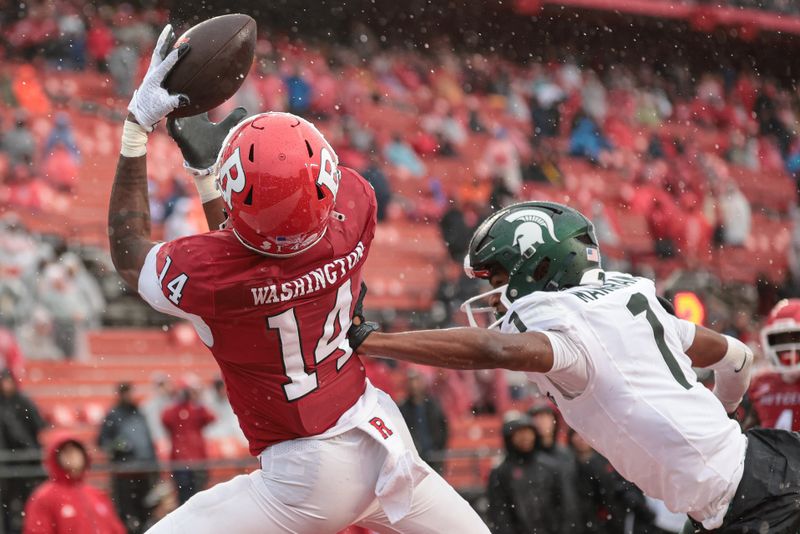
[{"x": 151, "y": 102}]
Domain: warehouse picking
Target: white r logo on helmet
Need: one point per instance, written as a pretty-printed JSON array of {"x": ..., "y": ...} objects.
[
  {"x": 328, "y": 172},
  {"x": 231, "y": 181}
]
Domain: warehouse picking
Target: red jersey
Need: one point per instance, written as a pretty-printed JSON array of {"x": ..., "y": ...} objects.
[
  {"x": 276, "y": 326},
  {"x": 776, "y": 401}
]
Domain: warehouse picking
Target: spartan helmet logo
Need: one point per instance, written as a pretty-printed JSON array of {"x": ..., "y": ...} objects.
[{"x": 529, "y": 234}]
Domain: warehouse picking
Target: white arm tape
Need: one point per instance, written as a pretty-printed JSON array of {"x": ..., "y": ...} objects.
[
  {"x": 134, "y": 140},
  {"x": 732, "y": 374},
  {"x": 207, "y": 187},
  {"x": 564, "y": 355}
]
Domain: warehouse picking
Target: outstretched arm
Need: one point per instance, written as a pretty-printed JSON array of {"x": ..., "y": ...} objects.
[
  {"x": 129, "y": 217},
  {"x": 129, "y": 208},
  {"x": 464, "y": 348}
]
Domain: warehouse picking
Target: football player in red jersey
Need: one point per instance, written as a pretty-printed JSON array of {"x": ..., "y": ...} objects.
[
  {"x": 775, "y": 394},
  {"x": 271, "y": 294}
]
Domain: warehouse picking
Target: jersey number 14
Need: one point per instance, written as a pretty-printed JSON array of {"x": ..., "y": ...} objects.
[{"x": 301, "y": 382}]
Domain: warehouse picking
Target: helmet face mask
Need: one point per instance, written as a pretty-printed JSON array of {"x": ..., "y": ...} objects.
[
  {"x": 486, "y": 315},
  {"x": 279, "y": 179},
  {"x": 543, "y": 246},
  {"x": 780, "y": 337}
]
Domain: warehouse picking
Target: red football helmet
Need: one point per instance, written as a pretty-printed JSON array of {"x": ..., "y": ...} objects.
[
  {"x": 780, "y": 336},
  {"x": 279, "y": 177}
]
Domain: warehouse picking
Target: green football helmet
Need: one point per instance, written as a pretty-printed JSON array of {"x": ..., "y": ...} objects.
[{"x": 544, "y": 246}]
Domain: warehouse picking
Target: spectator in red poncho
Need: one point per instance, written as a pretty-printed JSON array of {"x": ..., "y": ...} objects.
[
  {"x": 66, "y": 504},
  {"x": 184, "y": 422}
]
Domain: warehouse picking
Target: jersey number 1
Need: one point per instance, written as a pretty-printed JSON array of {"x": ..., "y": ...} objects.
[
  {"x": 301, "y": 382},
  {"x": 637, "y": 304}
]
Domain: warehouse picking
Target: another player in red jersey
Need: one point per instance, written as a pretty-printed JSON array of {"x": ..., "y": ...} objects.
[
  {"x": 775, "y": 394},
  {"x": 272, "y": 294}
]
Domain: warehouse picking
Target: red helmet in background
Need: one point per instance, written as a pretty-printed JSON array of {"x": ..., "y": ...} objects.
[
  {"x": 780, "y": 336},
  {"x": 279, "y": 177}
]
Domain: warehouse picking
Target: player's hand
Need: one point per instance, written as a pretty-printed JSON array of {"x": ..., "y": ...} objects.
[
  {"x": 359, "y": 332},
  {"x": 200, "y": 140},
  {"x": 151, "y": 102},
  {"x": 361, "y": 328}
]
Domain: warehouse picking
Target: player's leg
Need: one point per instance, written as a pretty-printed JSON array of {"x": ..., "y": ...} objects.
[
  {"x": 232, "y": 504},
  {"x": 436, "y": 508},
  {"x": 304, "y": 487}
]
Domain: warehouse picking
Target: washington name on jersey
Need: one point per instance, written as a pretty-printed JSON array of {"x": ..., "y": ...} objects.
[
  {"x": 642, "y": 407},
  {"x": 312, "y": 282}
]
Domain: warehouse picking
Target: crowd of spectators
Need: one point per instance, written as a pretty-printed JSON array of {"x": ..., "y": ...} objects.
[
  {"x": 551, "y": 480},
  {"x": 513, "y": 127},
  {"x": 182, "y": 413},
  {"x": 189, "y": 416},
  {"x": 48, "y": 298},
  {"x": 514, "y": 130}
]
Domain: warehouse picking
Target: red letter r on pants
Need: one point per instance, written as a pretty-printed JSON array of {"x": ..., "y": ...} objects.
[{"x": 381, "y": 427}]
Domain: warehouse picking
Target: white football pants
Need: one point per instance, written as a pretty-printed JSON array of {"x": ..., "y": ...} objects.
[{"x": 319, "y": 486}]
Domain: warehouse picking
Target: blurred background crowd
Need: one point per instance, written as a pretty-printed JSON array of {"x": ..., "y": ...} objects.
[{"x": 676, "y": 136}]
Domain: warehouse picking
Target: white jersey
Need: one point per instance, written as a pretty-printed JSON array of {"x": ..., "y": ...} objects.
[{"x": 642, "y": 407}]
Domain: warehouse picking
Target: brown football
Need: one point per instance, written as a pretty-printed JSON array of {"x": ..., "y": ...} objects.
[{"x": 219, "y": 58}]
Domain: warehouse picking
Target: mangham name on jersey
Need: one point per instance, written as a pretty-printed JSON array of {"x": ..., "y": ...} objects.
[
  {"x": 311, "y": 282},
  {"x": 609, "y": 286}
]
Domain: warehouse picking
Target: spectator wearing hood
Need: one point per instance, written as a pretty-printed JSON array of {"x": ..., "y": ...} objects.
[
  {"x": 529, "y": 492},
  {"x": 66, "y": 504}
]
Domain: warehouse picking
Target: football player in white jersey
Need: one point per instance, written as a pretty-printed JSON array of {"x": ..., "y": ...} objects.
[{"x": 619, "y": 366}]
